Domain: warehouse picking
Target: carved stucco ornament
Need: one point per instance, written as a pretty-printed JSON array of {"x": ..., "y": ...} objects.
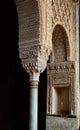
[
  {"x": 34, "y": 58},
  {"x": 61, "y": 13},
  {"x": 61, "y": 67}
]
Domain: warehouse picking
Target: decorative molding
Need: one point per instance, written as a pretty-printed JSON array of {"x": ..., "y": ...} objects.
[
  {"x": 61, "y": 67},
  {"x": 29, "y": 42},
  {"x": 34, "y": 84},
  {"x": 72, "y": 91},
  {"x": 34, "y": 66},
  {"x": 61, "y": 81},
  {"x": 30, "y": 67}
]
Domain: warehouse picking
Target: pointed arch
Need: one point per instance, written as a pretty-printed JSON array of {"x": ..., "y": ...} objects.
[{"x": 60, "y": 45}]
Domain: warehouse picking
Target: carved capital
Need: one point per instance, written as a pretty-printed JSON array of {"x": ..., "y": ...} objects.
[
  {"x": 34, "y": 79},
  {"x": 34, "y": 58}
]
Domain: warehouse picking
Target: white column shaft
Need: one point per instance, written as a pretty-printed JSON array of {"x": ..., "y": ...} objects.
[
  {"x": 33, "y": 123},
  {"x": 33, "y": 108}
]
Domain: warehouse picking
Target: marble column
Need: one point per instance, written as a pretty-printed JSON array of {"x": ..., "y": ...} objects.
[
  {"x": 34, "y": 79},
  {"x": 34, "y": 60}
]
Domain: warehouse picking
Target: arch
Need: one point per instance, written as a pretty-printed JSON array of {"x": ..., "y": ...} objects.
[{"x": 60, "y": 45}]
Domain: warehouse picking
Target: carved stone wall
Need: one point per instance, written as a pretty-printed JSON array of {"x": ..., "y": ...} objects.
[
  {"x": 62, "y": 13},
  {"x": 60, "y": 75},
  {"x": 65, "y": 13}
]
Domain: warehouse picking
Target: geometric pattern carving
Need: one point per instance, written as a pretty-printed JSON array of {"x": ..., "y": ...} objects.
[
  {"x": 61, "y": 67},
  {"x": 61, "y": 11},
  {"x": 27, "y": 52},
  {"x": 34, "y": 57}
]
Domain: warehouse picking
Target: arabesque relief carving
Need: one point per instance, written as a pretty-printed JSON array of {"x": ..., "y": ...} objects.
[
  {"x": 61, "y": 11},
  {"x": 34, "y": 58}
]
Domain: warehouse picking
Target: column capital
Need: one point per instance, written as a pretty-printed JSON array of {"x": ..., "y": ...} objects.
[{"x": 34, "y": 57}]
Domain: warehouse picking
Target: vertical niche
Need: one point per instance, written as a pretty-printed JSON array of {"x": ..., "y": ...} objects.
[{"x": 60, "y": 54}]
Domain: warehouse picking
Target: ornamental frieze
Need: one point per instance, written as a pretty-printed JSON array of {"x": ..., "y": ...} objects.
[{"x": 61, "y": 67}]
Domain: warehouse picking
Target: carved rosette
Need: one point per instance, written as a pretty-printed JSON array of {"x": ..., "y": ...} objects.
[{"x": 34, "y": 58}]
